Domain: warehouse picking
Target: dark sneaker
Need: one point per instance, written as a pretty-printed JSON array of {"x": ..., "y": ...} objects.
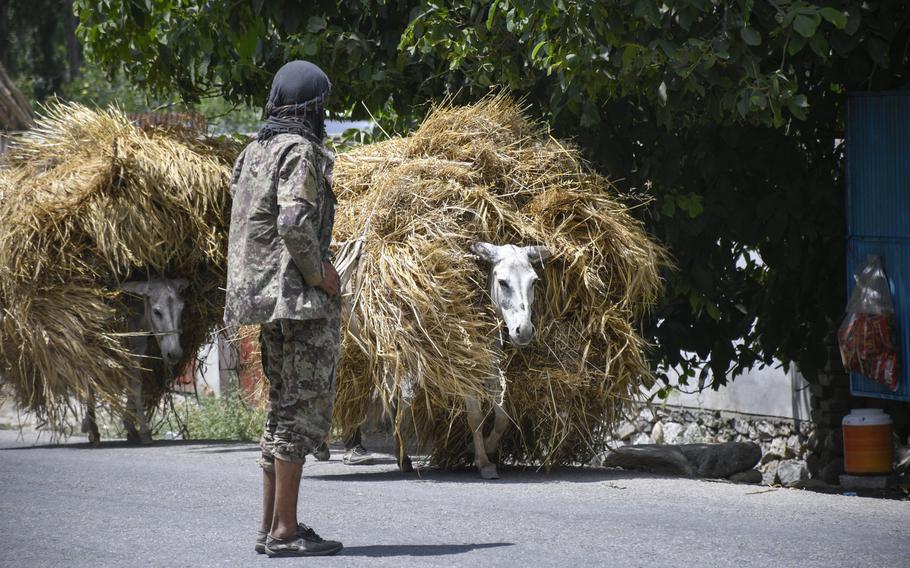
[
  {"x": 322, "y": 452},
  {"x": 305, "y": 543},
  {"x": 358, "y": 456},
  {"x": 261, "y": 537}
]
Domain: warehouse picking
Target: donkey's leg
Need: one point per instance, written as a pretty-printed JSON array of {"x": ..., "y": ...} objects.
[
  {"x": 401, "y": 452},
  {"x": 500, "y": 423},
  {"x": 404, "y": 460},
  {"x": 145, "y": 434},
  {"x": 90, "y": 423},
  {"x": 354, "y": 440},
  {"x": 475, "y": 421}
]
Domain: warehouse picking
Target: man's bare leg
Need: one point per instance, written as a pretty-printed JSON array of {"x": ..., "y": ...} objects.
[
  {"x": 268, "y": 500},
  {"x": 287, "y": 487}
]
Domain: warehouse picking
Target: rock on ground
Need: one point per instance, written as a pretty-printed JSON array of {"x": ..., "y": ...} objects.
[
  {"x": 769, "y": 472},
  {"x": 722, "y": 460},
  {"x": 651, "y": 458},
  {"x": 791, "y": 472},
  {"x": 751, "y": 476},
  {"x": 715, "y": 461}
]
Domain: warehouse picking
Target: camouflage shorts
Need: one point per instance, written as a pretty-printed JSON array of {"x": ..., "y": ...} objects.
[{"x": 298, "y": 358}]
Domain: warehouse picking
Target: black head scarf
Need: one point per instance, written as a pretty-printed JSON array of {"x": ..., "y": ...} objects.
[{"x": 296, "y": 102}]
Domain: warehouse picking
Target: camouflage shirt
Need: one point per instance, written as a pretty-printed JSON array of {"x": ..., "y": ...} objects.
[{"x": 281, "y": 228}]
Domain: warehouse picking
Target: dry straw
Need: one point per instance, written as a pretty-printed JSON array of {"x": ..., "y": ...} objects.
[
  {"x": 88, "y": 201},
  {"x": 422, "y": 333}
]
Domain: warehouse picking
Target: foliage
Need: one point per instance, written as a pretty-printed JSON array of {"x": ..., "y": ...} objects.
[
  {"x": 227, "y": 417},
  {"x": 37, "y": 45},
  {"x": 726, "y": 113},
  {"x": 93, "y": 88},
  {"x": 40, "y": 51}
]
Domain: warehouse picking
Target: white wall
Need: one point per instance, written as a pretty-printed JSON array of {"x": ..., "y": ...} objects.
[
  {"x": 208, "y": 375},
  {"x": 221, "y": 366},
  {"x": 768, "y": 391}
]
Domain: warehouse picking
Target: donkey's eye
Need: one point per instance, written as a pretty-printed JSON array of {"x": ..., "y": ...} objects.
[
  {"x": 504, "y": 284},
  {"x": 156, "y": 312}
]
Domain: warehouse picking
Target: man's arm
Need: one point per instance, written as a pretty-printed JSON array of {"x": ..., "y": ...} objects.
[
  {"x": 236, "y": 171},
  {"x": 298, "y": 222}
]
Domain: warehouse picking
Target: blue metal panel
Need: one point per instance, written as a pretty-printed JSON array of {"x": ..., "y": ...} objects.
[
  {"x": 878, "y": 165},
  {"x": 895, "y": 255}
]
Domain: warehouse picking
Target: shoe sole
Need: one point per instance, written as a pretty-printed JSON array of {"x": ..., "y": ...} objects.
[
  {"x": 359, "y": 461},
  {"x": 287, "y": 553},
  {"x": 260, "y": 549}
]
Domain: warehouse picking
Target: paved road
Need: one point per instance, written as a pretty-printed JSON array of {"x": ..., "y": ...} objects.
[{"x": 197, "y": 504}]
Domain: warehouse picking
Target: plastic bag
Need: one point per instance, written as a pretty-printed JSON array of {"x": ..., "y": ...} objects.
[{"x": 867, "y": 338}]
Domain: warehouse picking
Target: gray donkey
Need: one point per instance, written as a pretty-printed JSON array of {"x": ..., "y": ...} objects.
[{"x": 158, "y": 316}]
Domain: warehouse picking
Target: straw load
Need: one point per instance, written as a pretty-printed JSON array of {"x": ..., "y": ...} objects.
[
  {"x": 422, "y": 333},
  {"x": 87, "y": 202}
]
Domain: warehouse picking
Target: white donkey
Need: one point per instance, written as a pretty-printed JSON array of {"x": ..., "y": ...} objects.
[
  {"x": 158, "y": 316},
  {"x": 511, "y": 287}
]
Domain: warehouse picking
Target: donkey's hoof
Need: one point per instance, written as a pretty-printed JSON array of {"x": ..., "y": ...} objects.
[
  {"x": 488, "y": 472},
  {"x": 405, "y": 466}
]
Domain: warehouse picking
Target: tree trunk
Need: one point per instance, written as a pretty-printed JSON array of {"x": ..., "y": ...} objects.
[
  {"x": 73, "y": 48},
  {"x": 15, "y": 113}
]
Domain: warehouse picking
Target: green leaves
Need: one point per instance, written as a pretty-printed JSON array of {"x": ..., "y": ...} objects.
[
  {"x": 703, "y": 103},
  {"x": 751, "y": 36},
  {"x": 836, "y": 17},
  {"x": 492, "y": 15},
  {"x": 806, "y": 25},
  {"x": 246, "y": 44},
  {"x": 691, "y": 204},
  {"x": 798, "y": 106},
  {"x": 316, "y": 24}
]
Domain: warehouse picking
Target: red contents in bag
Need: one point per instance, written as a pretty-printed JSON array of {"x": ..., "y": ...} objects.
[
  {"x": 867, "y": 338},
  {"x": 868, "y": 346}
]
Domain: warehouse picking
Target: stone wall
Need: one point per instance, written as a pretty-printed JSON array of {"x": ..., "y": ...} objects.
[{"x": 784, "y": 442}]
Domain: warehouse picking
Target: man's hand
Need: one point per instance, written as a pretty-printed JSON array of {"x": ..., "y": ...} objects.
[{"x": 330, "y": 280}]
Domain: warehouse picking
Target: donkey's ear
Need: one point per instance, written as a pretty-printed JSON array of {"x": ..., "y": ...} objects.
[
  {"x": 538, "y": 254},
  {"x": 136, "y": 287},
  {"x": 181, "y": 284},
  {"x": 486, "y": 251}
]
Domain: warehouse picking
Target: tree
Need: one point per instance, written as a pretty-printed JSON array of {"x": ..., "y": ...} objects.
[
  {"x": 37, "y": 44},
  {"x": 726, "y": 113}
]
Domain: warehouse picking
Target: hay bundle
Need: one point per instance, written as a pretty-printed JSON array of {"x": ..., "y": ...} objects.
[
  {"x": 423, "y": 329},
  {"x": 88, "y": 201}
]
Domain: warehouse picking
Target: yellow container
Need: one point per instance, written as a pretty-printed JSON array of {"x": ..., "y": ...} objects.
[{"x": 867, "y": 441}]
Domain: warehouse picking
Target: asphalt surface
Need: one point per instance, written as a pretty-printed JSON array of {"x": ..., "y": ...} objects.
[{"x": 197, "y": 504}]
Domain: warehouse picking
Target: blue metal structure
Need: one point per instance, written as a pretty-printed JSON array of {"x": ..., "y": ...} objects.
[{"x": 878, "y": 210}]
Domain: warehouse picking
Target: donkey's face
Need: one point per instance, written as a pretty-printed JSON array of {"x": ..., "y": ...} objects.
[
  {"x": 163, "y": 310},
  {"x": 512, "y": 285}
]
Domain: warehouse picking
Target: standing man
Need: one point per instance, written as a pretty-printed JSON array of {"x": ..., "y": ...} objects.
[{"x": 280, "y": 276}]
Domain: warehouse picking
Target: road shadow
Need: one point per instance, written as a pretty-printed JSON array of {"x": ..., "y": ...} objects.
[
  {"x": 387, "y": 550},
  {"x": 213, "y": 446},
  {"x": 508, "y": 475}
]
